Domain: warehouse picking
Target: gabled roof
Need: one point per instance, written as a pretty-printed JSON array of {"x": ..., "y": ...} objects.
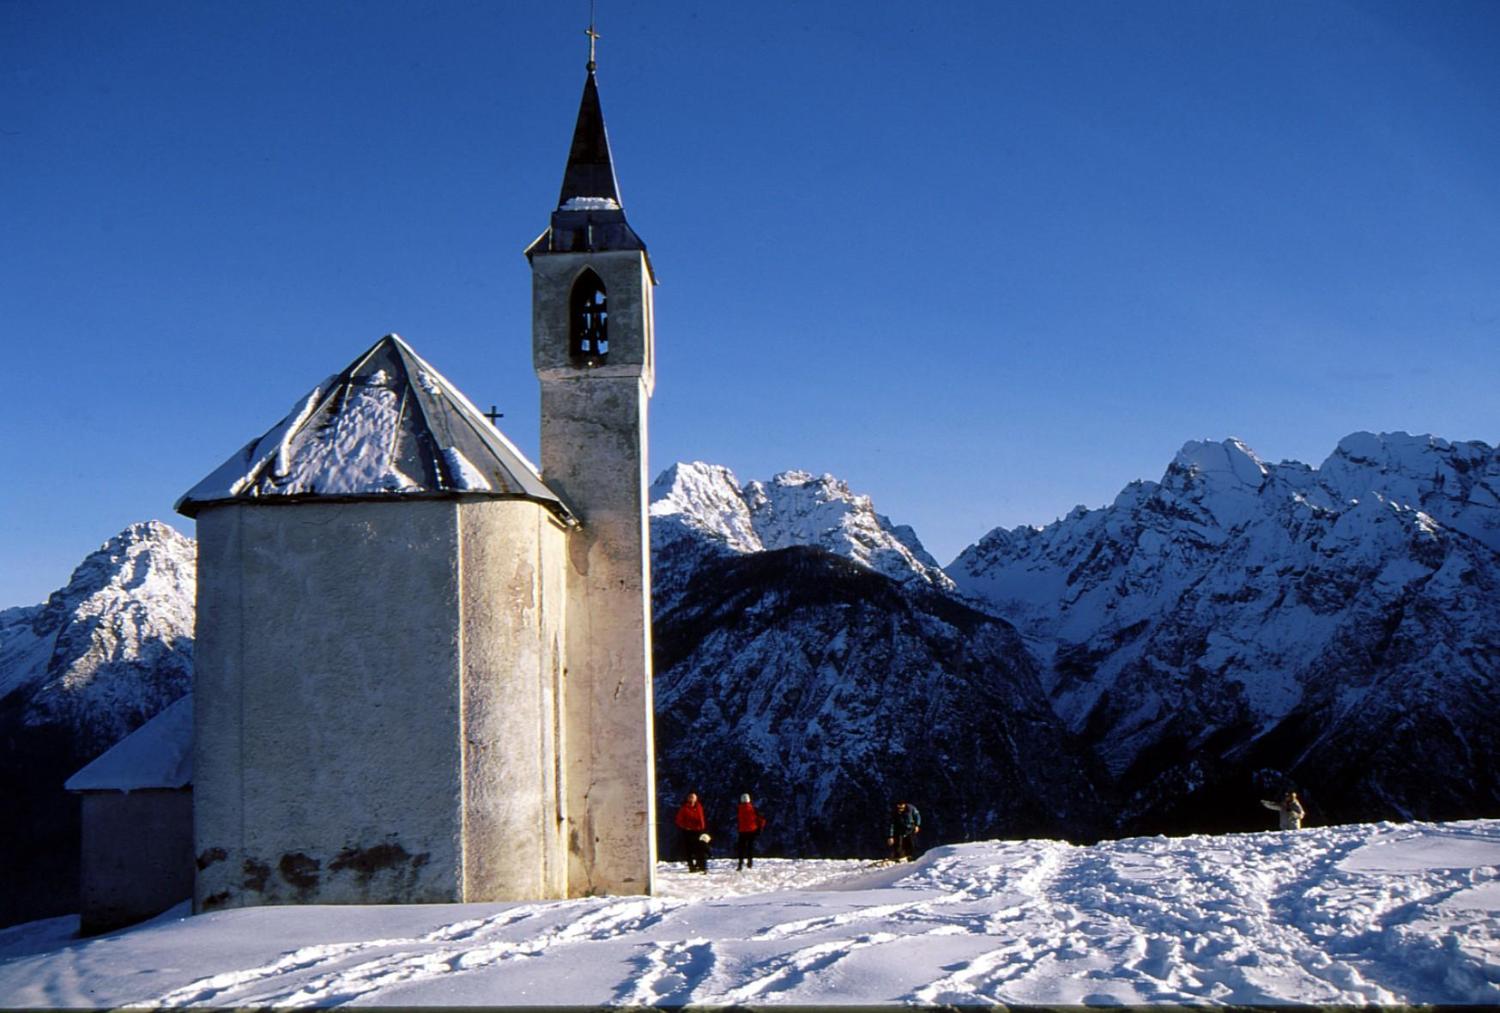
[
  {"x": 389, "y": 425},
  {"x": 158, "y": 754}
]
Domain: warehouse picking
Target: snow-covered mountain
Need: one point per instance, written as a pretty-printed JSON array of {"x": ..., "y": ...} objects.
[
  {"x": 701, "y": 508},
  {"x": 1336, "y": 625},
  {"x": 807, "y": 652},
  {"x": 827, "y": 690},
  {"x": 101, "y": 656},
  {"x": 114, "y": 646}
]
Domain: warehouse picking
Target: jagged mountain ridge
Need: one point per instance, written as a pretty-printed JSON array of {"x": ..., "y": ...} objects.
[
  {"x": 811, "y": 652},
  {"x": 1335, "y": 627},
  {"x": 699, "y": 509}
]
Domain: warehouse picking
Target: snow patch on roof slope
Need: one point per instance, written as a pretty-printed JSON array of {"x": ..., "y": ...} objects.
[{"x": 159, "y": 754}]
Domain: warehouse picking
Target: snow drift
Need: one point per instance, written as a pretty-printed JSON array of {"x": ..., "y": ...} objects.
[{"x": 1371, "y": 914}]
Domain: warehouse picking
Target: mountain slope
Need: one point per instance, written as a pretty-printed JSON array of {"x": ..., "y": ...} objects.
[
  {"x": 104, "y": 654},
  {"x": 1240, "y": 624},
  {"x": 826, "y": 690},
  {"x": 700, "y": 510},
  {"x": 809, "y": 652}
]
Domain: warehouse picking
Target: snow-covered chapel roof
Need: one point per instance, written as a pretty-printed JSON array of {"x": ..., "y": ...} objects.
[{"x": 389, "y": 425}]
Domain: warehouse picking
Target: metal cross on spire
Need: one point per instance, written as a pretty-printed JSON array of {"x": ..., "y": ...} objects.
[{"x": 593, "y": 36}]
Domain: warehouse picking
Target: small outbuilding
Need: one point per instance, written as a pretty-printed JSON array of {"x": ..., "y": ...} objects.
[{"x": 137, "y": 850}]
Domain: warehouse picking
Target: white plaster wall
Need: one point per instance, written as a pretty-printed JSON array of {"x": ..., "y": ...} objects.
[
  {"x": 514, "y": 594},
  {"x": 594, "y": 455},
  {"x": 340, "y": 646}
]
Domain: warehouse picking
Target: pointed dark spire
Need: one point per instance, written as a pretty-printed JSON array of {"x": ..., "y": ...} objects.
[
  {"x": 591, "y": 172},
  {"x": 589, "y": 217}
]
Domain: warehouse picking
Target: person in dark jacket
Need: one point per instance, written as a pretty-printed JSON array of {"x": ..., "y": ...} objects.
[
  {"x": 906, "y": 824},
  {"x": 690, "y": 823},
  {"x": 750, "y": 824},
  {"x": 700, "y": 853}
]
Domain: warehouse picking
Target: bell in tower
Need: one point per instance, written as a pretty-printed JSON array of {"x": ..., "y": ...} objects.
[{"x": 588, "y": 327}]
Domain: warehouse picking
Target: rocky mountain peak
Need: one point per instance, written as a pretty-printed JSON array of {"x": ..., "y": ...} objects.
[
  {"x": 1222, "y": 479},
  {"x": 705, "y": 498},
  {"x": 1247, "y": 605},
  {"x": 113, "y": 646},
  {"x": 707, "y": 503},
  {"x": 145, "y": 553},
  {"x": 1228, "y": 464},
  {"x": 1458, "y": 484}
]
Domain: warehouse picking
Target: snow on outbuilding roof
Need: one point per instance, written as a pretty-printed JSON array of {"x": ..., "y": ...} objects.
[
  {"x": 159, "y": 754},
  {"x": 387, "y": 426}
]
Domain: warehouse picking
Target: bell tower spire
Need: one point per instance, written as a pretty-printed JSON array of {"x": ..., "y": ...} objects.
[
  {"x": 593, "y": 347},
  {"x": 590, "y": 215}
]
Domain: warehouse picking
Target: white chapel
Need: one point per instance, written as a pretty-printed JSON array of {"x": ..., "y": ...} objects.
[{"x": 423, "y": 666}]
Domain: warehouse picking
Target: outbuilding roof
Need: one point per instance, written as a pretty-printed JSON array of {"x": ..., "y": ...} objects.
[
  {"x": 159, "y": 754},
  {"x": 388, "y": 426}
]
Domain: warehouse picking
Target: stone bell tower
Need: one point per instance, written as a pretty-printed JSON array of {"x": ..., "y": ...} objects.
[{"x": 592, "y": 347}]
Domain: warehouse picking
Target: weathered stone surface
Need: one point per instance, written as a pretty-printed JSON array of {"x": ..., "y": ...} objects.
[
  {"x": 593, "y": 438},
  {"x": 514, "y": 604},
  {"x": 367, "y": 670}
]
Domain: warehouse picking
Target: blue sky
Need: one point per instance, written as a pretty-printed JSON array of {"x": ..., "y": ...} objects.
[{"x": 985, "y": 261}]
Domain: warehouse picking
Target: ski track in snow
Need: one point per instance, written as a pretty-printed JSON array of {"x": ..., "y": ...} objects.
[
  {"x": 1361, "y": 914},
  {"x": 328, "y": 978}
]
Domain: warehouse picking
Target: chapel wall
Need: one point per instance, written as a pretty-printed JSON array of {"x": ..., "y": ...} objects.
[
  {"x": 514, "y": 592},
  {"x": 327, "y": 763}
]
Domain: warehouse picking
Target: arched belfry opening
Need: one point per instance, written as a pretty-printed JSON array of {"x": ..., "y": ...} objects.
[{"x": 588, "y": 316}]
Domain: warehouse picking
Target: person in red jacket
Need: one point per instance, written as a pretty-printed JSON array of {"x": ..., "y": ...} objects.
[
  {"x": 690, "y": 824},
  {"x": 750, "y": 824}
]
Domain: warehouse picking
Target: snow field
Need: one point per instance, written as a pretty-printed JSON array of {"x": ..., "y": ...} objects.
[{"x": 1380, "y": 913}]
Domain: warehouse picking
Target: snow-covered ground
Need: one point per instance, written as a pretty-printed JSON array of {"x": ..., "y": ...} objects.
[{"x": 1382, "y": 913}]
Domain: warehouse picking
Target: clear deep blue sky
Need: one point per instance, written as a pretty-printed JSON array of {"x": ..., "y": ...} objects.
[{"x": 983, "y": 260}]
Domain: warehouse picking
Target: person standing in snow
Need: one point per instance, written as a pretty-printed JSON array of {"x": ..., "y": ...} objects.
[
  {"x": 1290, "y": 809},
  {"x": 750, "y": 824},
  {"x": 906, "y": 824},
  {"x": 700, "y": 853},
  {"x": 690, "y": 823}
]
